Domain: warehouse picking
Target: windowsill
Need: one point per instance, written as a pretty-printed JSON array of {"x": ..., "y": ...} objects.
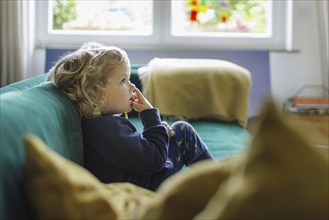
[{"x": 166, "y": 48}]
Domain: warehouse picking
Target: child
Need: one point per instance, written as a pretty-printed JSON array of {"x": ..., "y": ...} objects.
[{"x": 96, "y": 80}]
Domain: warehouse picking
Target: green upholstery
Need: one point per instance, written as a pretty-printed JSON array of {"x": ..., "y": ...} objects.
[
  {"x": 134, "y": 75},
  {"x": 24, "y": 84},
  {"x": 42, "y": 110}
]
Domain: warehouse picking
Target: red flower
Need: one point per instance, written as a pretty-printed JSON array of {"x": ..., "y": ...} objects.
[{"x": 193, "y": 15}]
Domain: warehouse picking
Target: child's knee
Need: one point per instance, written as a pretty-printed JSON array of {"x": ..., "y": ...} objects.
[
  {"x": 183, "y": 128},
  {"x": 180, "y": 126}
]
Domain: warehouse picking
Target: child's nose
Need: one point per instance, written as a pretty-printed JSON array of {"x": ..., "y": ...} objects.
[{"x": 132, "y": 86}]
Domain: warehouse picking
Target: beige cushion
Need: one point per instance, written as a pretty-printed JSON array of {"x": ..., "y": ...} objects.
[
  {"x": 186, "y": 193},
  {"x": 178, "y": 87},
  {"x": 60, "y": 189},
  {"x": 281, "y": 176}
]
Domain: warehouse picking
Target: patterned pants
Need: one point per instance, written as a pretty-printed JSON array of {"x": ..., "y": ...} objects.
[{"x": 184, "y": 147}]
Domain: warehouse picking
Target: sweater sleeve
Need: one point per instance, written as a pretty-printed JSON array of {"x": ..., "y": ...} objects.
[
  {"x": 150, "y": 118},
  {"x": 120, "y": 145}
]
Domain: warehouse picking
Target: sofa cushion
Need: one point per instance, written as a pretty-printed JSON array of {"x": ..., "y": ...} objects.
[
  {"x": 69, "y": 191},
  {"x": 24, "y": 84},
  {"x": 186, "y": 194},
  {"x": 42, "y": 110},
  {"x": 282, "y": 177}
]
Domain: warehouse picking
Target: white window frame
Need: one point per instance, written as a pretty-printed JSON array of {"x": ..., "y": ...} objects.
[{"x": 161, "y": 36}]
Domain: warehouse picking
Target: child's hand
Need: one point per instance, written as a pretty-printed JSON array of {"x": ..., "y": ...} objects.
[
  {"x": 171, "y": 132},
  {"x": 140, "y": 103}
]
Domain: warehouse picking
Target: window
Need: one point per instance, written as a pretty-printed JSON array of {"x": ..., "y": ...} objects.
[
  {"x": 120, "y": 17},
  {"x": 211, "y": 17},
  {"x": 227, "y": 24}
]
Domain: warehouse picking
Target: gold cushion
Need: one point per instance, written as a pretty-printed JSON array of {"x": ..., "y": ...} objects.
[
  {"x": 60, "y": 189},
  {"x": 280, "y": 176},
  {"x": 283, "y": 177},
  {"x": 186, "y": 193}
]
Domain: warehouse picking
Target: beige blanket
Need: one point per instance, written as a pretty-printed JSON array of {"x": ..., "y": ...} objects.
[{"x": 198, "y": 88}]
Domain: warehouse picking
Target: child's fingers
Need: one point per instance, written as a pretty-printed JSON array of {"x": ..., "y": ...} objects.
[
  {"x": 140, "y": 102},
  {"x": 138, "y": 93},
  {"x": 136, "y": 106},
  {"x": 171, "y": 132},
  {"x": 164, "y": 123}
]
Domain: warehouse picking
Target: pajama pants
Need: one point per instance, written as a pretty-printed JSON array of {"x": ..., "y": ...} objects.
[{"x": 185, "y": 147}]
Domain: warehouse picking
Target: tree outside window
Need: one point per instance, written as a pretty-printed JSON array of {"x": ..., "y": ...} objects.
[{"x": 63, "y": 12}]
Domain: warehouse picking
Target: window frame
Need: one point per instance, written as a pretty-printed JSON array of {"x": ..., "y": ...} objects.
[{"x": 161, "y": 36}]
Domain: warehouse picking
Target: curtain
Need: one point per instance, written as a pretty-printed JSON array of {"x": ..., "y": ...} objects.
[
  {"x": 323, "y": 7},
  {"x": 17, "y": 40}
]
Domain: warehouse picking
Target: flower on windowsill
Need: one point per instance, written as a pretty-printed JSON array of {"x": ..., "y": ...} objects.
[
  {"x": 223, "y": 17},
  {"x": 193, "y": 15},
  {"x": 223, "y": 4}
]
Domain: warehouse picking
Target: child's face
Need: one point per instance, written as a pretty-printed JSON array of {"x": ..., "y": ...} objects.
[{"x": 119, "y": 91}]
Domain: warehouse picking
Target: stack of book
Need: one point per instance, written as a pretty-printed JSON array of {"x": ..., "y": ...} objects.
[{"x": 308, "y": 105}]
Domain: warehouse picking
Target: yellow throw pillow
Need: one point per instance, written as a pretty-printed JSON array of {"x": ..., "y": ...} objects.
[
  {"x": 185, "y": 194},
  {"x": 60, "y": 189},
  {"x": 283, "y": 177}
]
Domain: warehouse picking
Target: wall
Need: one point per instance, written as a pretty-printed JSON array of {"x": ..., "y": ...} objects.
[{"x": 291, "y": 71}]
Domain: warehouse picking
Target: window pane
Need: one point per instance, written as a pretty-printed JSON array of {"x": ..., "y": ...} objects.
[
  {"x": 216, "y": 17},
  {"x": 114, "y": 16}
]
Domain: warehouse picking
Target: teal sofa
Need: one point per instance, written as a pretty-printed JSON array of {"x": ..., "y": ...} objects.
[
  {"x": 38, "y": 107},
  {"x": 42, "y": 110}
]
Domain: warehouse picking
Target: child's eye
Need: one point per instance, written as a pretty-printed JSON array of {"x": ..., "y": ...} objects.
[{"x": 123, "y": 81}]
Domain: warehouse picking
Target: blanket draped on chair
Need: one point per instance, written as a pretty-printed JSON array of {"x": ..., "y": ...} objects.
[{"x": 198, "y": 88}]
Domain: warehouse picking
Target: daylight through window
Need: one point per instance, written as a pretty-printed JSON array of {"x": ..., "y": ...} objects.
[
  {"x": 115, "y": 16},
  {"x": 206, "y": 17}
]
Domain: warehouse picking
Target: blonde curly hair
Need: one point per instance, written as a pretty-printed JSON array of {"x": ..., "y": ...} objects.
[{"x": 82, "y": 76}]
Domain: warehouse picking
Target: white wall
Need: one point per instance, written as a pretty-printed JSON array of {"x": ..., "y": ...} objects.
[
  {"x": 291, "y": 71},
  {"x": 39, "y": 61}
]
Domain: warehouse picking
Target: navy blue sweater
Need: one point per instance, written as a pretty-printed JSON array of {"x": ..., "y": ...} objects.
[{"x": 114, "y": 151}]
